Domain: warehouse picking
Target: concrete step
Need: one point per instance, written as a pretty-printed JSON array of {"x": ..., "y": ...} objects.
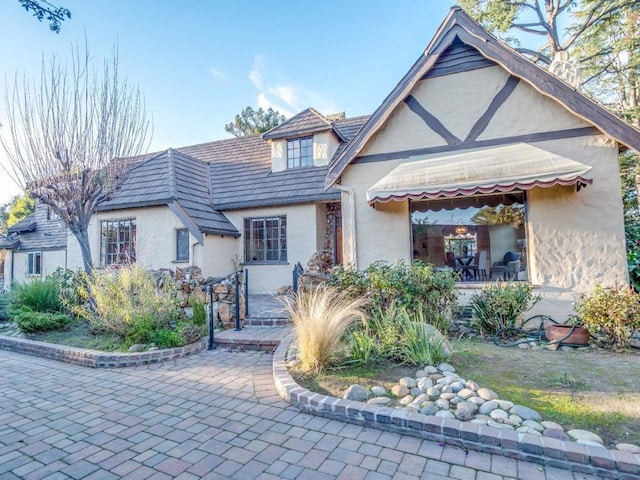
[
  {"x": 267, "y": 321},
  {"x": 251, "y": 338}
]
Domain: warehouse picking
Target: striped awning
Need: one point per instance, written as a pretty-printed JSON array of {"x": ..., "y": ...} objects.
[{"x": 501, "y": 169}]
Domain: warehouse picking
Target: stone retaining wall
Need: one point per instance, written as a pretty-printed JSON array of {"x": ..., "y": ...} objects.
[
  {"x": 95, "y": 358},
  {"x": 521, "y": 446}
]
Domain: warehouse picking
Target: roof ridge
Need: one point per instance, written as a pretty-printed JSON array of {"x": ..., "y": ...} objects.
[
  {"x": 319, "y": 115},
  {"x": 173, "y": 189}
]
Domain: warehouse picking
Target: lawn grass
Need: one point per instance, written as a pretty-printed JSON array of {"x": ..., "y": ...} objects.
[{"x": 78, "y": 334}]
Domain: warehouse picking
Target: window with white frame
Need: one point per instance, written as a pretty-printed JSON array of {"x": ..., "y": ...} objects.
[
  {"x": 300, "y": 152},
  {"x": 265, "y": 239},
  {"x": 182, "y": 245},
  {"x": 118, "y": 242},
  {"x": 34, "y": 263}
]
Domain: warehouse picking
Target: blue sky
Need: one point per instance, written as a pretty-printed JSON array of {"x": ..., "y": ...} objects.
[{"x": 199, "y": 63}]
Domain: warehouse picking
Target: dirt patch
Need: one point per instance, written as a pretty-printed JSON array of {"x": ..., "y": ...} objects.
[{"x": 593, "y": 390}]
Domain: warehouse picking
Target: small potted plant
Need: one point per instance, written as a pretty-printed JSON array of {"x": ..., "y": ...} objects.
[{"x": 569, "y": 333}]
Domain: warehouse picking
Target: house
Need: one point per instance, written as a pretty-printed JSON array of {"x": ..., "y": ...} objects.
[
  {"x": 34, "y": 247},
  {"x": 477, "y": 160}
]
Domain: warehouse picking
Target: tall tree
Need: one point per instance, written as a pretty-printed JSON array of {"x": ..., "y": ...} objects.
[
  {"x": 68, "y": 135},
  {"x": 254, "y": 122},
  {"x": 43, "y": 10},
  {"x": 17, "y": 208}
]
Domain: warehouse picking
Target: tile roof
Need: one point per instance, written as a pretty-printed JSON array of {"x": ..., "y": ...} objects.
[
  {"x": 35, "y": 232},
  {"x": 172, "y": 178},
  {"x": 307, "y": 121}
]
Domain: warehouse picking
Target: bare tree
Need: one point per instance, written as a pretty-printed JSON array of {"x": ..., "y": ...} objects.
[{"x": 69, "y": 133}]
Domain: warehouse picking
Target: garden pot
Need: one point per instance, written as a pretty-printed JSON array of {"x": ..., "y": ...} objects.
[{"x": 579, "y": 336}]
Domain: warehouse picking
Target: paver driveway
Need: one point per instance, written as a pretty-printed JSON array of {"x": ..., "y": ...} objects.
[{"x": 213, "y": 415}]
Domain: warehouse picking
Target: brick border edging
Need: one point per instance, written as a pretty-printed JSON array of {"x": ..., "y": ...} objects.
[
  {"x": 96, "y": 358},
  {"x": 521, "y": 446}
]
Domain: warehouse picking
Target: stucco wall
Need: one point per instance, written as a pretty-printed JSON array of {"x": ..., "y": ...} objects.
[
  {"x": 325, "y": 145},
  {"x": 216, "y": 258},
  {"x": 302, "y": 241},
  {"x": 51, "y": 261},
  {"x": 575, "y": 239}
]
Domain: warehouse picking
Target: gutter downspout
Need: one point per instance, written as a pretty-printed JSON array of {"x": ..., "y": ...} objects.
[{"x": 352, "y": 215}]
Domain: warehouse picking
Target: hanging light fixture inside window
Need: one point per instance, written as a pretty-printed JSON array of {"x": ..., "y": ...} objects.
[{"x": 461, "y": 230}]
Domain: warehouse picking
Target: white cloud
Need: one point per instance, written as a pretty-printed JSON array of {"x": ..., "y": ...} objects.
[
  {"x": 286, "y": 98},
  {"x": 216, "y": 74}
]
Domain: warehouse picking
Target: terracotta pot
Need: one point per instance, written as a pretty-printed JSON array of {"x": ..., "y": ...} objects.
[{"x": 579, "y": 336}]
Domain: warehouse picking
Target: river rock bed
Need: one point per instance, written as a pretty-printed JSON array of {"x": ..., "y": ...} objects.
[{"x": 440, "y": 391}]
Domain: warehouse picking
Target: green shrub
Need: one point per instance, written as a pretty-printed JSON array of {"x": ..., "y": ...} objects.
[
  {"x": 165, "y": 338},
  {"x": 140, "y": 331},
  {"x": 31, "y": 321},
  {"x": 4, "y": 307},
  {"x": 38, "y": 295},
  {"x": 199, "y": 312},
  {"x": 119, "y": 298},
  {"x": 73, "y": 286},
  {"x": 396, "y": 335},
  {"x": 415, "y": 288},
  {"x": 614, "y": 312},
  {"x": 190, "y": 332},
  {"x": 500, "y": 305}
]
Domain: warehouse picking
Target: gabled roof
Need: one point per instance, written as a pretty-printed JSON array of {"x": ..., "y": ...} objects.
[
  {"x": 307, "y": 121},
  {"x": 458, "y": 27},
  {"x": 179, "y": 181},
  {"x": 36, "y": 232}
]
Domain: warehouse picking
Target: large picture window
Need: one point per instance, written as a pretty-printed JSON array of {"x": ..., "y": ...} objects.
[
  {"x": 265, "y": 239},
  {"x": 118, "y": 242},
  {"x": 481, "y": 237},
  {"x": 300, "y": 152},
  {"x": 34, "y": 263}
]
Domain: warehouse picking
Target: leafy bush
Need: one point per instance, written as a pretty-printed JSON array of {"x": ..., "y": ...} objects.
[
  {"x": 120, "y": 298},
  {"x": 613, "y": 312},
  {"x": 73, "y": 286},
  {"x": 165, "y": 338},
  {"x": 31, "y": 321},
  {"x": 320, "y": 319},
  {"x": 190, "y": 332},
  {"x": 414, "y": 288},
  {"x": 500, "y": 305},
  {"x": 38, "y": 295},
  {"x": 140, "y": 331}
]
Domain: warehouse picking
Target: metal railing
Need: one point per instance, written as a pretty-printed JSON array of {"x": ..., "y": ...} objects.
[
  {"x": 297, "y": 273},
  {"x": 236, "y": 285}
]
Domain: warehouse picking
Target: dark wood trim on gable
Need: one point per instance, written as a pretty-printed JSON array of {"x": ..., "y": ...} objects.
[
  {"x": 493, "y": 142},
  {"x": 457, "y": 58},
  {"x": 432, "y": 122},
  {"x": 482, "y": 123}
]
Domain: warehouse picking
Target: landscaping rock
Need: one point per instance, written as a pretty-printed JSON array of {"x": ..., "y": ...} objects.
[
  {"x": 499, "y": 414},
  {"x": 430, "y": 369},
  {"x": 465, "y": 393},
  {"x": 445, "y": 367},
  {"x": 444, "y": 381},
  {"x": 445, "y": 414},
  {"x": 378, "y": 390},
  {"x": 477, "y": 400},
  {"x": 408, "y": 382},
  {"x": 422, "y": 398},
  {"x": 556, "y": 433},
  {"x": 487, "y": 407},
  {"x": 583, "y": 435},
  {"x": 506, "y": 426},
  {"x": 416, "y": 391},
  {"x": 628, "y": 447},
  {"x": 471, "y": 385},
  {"x": 400, "y": 391},
  {"x": 479, "y": 421},
  {"x": 406, "y": 400},
  {"x": 138, "y": 347},
  {"x": 379, "y": 401},
  {"x": 421, "y": 374},
  {"x": 529, "y": 430},
  {"x": 428, "y": 408},
  {"x": 515, "y": 420},
  {"x": 447, "y": 395},
  {"x": 487, "y": 394},
  {"x": 357, "y": 393},
  {"x": 446, "y": 389},
  {"x": 442, "y": 404},
  {"x": 533, "y": 424},
  {"x": 457, "y": 386},
  {"x": 433, "y": 393},
  {"x": 525, "y": 412},
  {"x": 551, "y": 425},
  {"x": 424, "y": 383}
]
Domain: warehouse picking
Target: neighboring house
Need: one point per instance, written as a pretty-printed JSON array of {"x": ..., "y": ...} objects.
[
  {"x": 477, "y": 159},
  {"x": 34, "y": 247}
]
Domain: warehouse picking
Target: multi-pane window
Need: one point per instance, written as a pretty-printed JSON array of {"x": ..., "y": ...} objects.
[
  {"x": 118, "y": 242},
  {"x": 182, "y": 245},
  {"x": 265, "y": 239},
  {"x": 300, "y": 152},
  {"x": 34, "y": 263}
]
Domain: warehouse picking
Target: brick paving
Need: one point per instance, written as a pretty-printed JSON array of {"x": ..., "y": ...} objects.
[{"x": 214, "y": 415}]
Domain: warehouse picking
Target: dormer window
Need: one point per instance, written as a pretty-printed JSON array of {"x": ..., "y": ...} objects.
[{"x": 300, "y": 152}]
